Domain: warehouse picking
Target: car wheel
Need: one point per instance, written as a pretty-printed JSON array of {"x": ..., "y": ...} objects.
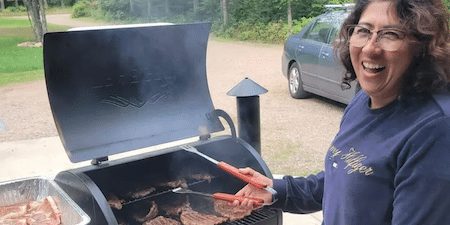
[{"x": 295, "y": 82}]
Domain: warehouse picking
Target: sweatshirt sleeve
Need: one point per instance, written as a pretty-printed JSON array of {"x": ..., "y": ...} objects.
[
  {"x": 301, "y": 194},
  {"x": 422, "y": 182}
]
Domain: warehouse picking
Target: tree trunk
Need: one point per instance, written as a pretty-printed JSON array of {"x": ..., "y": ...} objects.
[
  {"x": 149, "y": 7},
  {"x": 223, "y": 5},
  {"x": 131, "y": 7},
  {"x": 42, "y": 4},
  {"x": 166, "y": 8},
  {"x": 195, "y": 6},
  {"x": 16, "y": 3},
  {"x": 2, "y": 5},
  {"x": 36, "y": 10},
  {"x": 289, "y": 16},
  {"x": 62, "y": 3}
]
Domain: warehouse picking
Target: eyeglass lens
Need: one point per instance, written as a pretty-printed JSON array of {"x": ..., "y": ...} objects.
[{"x": 387, "y": 39}]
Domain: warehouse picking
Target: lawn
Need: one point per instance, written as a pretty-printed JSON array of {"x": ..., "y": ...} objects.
[{"x": 19, "y": 64}]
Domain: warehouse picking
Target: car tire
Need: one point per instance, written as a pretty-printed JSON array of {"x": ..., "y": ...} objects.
[{"x": 295, "y": 84}]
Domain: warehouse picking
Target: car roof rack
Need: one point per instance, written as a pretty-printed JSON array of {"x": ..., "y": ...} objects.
[{"x": 346, "y": 6}]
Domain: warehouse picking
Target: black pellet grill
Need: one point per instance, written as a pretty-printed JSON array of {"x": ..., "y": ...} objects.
[{"x": 114, "y": 90}]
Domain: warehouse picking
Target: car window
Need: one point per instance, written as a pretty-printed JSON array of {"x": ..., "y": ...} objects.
[{"x": 320, "y": 31}]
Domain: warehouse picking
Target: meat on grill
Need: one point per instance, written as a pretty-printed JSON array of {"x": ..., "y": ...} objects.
[
  {"x": 142, "y": 193},
  {"x": 232, "y": 212},
  {"x": 152, "y": 213},
  {"x": 191, "y": 217},
  {"x": 114, "y": 202},
  {"x": 175, "y": 184},
  {"x": 175, "y": 207},
  {"x": 207, "y": 177},
  {"x": 43, "y": 212},
  {"x": 161, "y": 220}
]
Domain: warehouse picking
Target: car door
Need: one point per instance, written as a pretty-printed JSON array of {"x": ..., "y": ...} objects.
[
  {"x": 330, "y": 70},
  {"x": 307, "y": 55}
]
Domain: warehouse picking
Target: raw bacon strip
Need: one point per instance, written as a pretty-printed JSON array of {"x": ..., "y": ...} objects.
[
  {"x": 43, "y": 212},
  {"x": 13, "y": 222},
  {"x": 13, "y": 211}
]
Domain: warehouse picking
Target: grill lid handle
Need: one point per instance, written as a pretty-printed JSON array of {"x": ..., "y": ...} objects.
[{"x": 220, "y": 113}]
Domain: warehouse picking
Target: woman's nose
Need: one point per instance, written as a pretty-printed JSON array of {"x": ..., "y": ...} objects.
[{"x": 372, "y": 46}]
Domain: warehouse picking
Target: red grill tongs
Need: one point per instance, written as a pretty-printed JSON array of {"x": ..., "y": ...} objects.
[
  {"x": 220, "y": 196},
  {"x": 230, "y": 169}
]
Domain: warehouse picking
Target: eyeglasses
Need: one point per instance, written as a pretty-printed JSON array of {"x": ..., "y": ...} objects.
[{"x": 390, "y": 39}]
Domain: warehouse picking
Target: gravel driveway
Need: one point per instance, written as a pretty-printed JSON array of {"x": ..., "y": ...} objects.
[{"x": 295, "y": 133}]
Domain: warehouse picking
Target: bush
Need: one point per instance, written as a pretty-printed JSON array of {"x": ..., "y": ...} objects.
[
  {"x": 19, "y": 8},
  {"x": 61, "y": 3},
  {"x": 297, "y": 25},
  {"x": 115, "y": 9},
  {"x": 83, "y": 8},
  {"x": 273, "y": 32}
]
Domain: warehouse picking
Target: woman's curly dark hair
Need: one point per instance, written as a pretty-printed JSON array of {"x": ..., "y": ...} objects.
[{"x": 427, "y": 22}]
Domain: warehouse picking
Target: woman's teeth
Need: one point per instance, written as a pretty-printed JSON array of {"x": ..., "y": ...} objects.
[{"x": 373, "y": 68}]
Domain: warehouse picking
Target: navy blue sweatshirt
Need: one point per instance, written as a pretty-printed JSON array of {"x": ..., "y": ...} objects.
[{"x": 385, "y": 166}]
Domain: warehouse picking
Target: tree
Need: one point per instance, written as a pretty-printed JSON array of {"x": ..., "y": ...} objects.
[
  {"x": 224, "y": 6},
  {"x": 195, "y": 6},
  {"x": 2, "y": 5},
  {"x": 131, "y": 7},
  {"x": 289, "y": 15},
  {"x": 166, "y": 8},
  {"x": 36, "y": 14}
]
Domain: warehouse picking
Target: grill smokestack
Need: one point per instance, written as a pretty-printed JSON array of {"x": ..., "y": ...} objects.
[{"x": 247, "y": 97}]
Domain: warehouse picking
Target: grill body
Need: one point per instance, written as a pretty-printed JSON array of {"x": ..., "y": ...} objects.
[{"x": 90, "y": 186}]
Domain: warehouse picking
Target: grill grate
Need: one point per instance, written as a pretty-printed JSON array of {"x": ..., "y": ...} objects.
[{"x": 261, "y": 215}]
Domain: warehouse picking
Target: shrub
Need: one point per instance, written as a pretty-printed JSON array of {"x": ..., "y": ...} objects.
[
  {"x": 83, "y": 8},
  {"x": 61, "y": 3},
  {"x": 19, "y": 8},
  {"x": 272, "y": 32}
]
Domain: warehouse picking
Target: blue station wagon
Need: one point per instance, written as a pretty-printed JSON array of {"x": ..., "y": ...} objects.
[{"x": 310, "y": 64}]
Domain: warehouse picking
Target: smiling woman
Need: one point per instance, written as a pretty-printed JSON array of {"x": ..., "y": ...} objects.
[{"x": 392, "y": 143}]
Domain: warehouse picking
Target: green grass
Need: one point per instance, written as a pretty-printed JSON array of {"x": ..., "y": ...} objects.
[
  {"x": 20, "y": 64},
  {"x": 20, "y": 77},
  {"x": 52, "y": 10},
  {"x": 13, "y": 23}
]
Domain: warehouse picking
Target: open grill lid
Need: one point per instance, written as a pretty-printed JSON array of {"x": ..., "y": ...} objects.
[{"x": 116, "y": 90}]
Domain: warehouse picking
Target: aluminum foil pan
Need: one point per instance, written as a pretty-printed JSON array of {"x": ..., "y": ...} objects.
[{"x": 36, "y": 189}]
